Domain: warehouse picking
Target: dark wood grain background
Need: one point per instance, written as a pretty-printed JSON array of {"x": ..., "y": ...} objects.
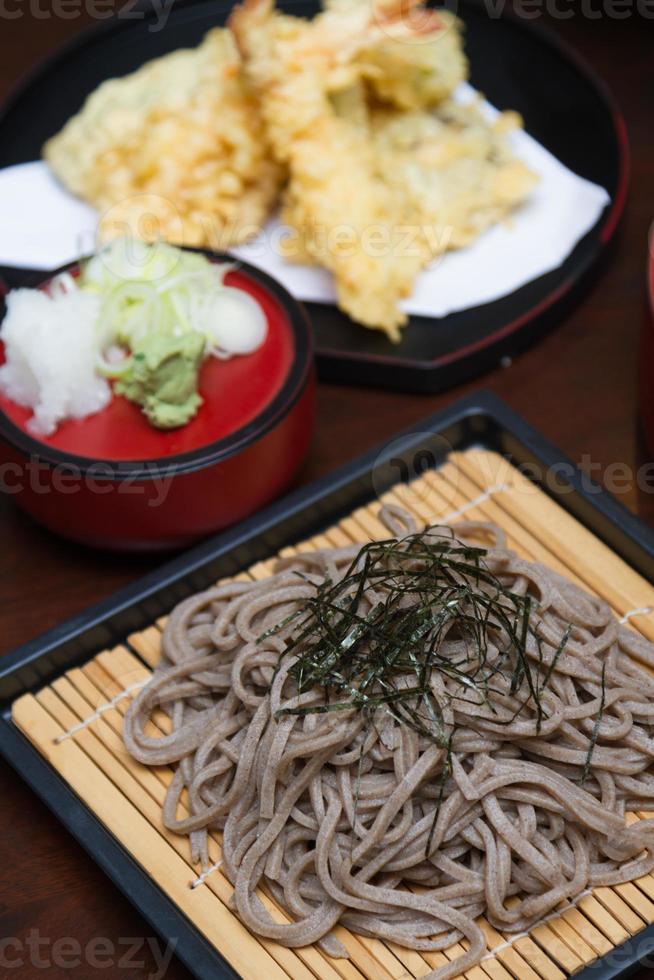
[{"x": 578, "y": 387}]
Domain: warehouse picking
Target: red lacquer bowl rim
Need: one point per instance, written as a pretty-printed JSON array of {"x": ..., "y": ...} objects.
[{"x": 215, "y": 452}]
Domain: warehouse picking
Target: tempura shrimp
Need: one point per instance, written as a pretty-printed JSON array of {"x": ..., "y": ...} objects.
[{"x": 312, "y": 81}]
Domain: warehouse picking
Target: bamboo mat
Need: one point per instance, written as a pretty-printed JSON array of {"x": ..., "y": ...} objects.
[{"x": 76, "y": 723}]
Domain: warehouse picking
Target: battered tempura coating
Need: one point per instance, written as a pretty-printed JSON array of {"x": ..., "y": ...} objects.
[
  {"x": 352, "y": 111},
  {"x": 309, "y": 79},
  {"x": 453, "y": 170},
  {"x": 413, "y": 58},
  {"x": 175, "y": 150}
]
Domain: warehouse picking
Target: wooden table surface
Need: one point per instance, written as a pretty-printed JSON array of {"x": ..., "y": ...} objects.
[{"x": 578, "y": 386}]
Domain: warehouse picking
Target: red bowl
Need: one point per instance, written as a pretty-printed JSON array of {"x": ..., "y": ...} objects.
[
  {"x": 646, "y": 360},
  {"x": 113, "y": 481}
]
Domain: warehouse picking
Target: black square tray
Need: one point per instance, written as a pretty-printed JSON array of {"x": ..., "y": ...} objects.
[{"x": 480, "y": 420}]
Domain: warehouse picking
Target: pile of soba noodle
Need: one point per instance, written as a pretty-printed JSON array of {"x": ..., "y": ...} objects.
[{"x": 499, "y": 790}]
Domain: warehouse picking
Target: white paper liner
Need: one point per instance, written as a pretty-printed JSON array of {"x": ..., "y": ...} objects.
[{"x": 43, "y": 226}]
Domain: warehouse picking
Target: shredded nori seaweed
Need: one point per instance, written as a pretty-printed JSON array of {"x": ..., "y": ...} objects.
[
  {"x": 426, "y": 586},
  {"x": 595, "y": 732}
]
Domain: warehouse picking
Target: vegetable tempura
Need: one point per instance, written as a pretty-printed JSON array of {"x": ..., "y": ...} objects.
[{"x": 175, "y": 150}]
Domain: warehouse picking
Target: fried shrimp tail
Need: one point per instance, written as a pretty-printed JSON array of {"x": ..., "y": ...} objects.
[{"x": 414, "y": 55}]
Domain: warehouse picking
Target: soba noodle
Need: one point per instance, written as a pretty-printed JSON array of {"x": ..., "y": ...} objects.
[{"x": 361, "y": 816}]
